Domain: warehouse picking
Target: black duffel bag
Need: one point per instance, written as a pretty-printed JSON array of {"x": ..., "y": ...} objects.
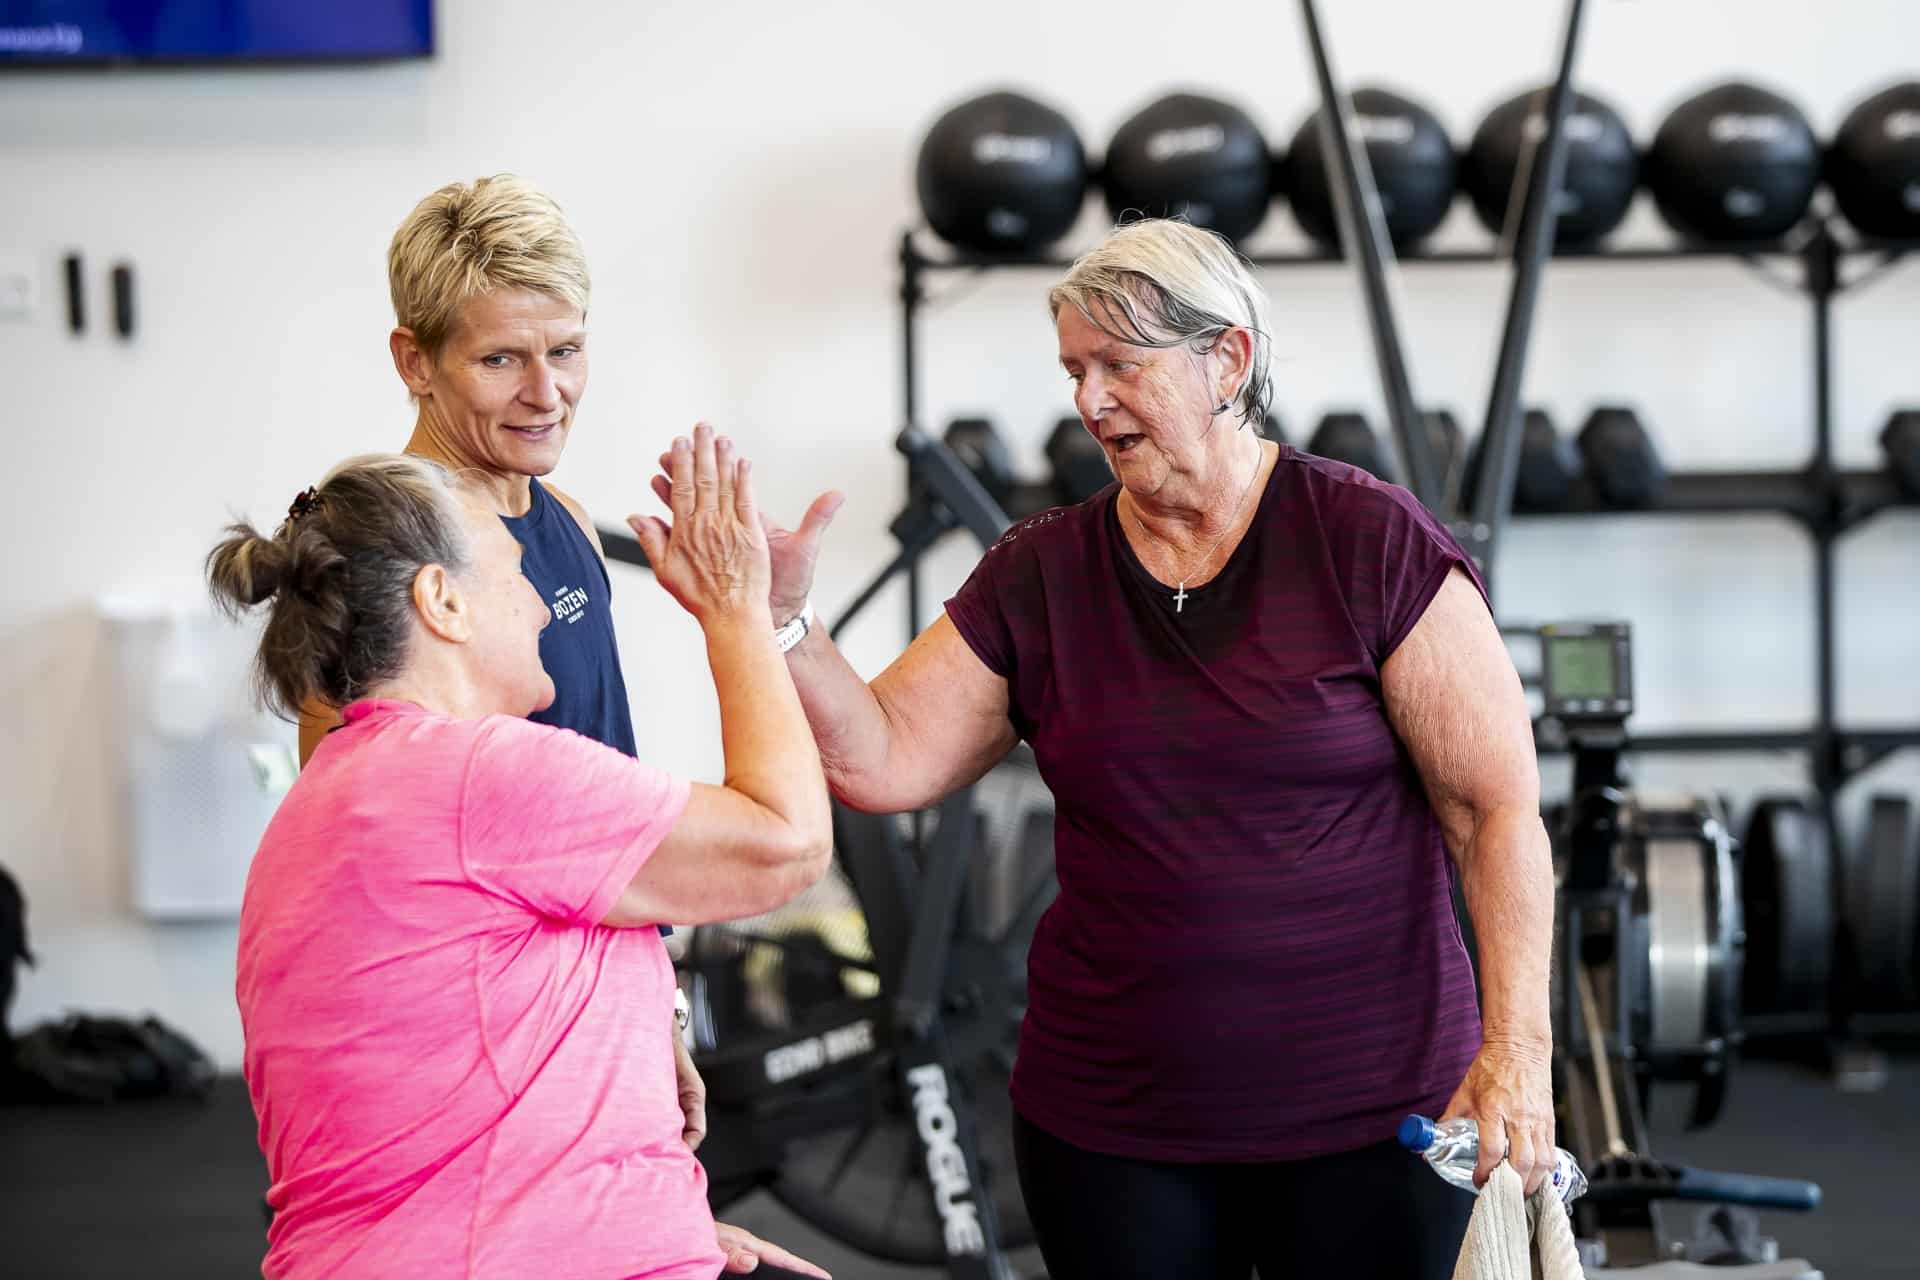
[
  {"x": 13, "y": 945},
  {"x": 86, "y": 1059}
]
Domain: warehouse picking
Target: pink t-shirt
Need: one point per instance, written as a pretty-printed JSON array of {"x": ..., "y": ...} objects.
[{"x": 457, "y": 1070}]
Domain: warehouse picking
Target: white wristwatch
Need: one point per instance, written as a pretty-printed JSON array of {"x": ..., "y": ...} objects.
[
  {"x": 682, "y": 1010},
  {"x": 795, "y": 629}
]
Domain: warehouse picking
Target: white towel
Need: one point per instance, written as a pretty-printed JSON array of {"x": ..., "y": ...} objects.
[{"x": 1515, "y": 1237}]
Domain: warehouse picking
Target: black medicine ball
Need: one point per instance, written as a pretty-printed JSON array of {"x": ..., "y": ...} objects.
[
  {"x": 1412, "y": 161},
  {"x": 1001, "y": 173},
  {"x": 1193, "y": 157},
  {"x": 1734, "y": 163},
  {"x": 1873, "y": 165},
  {"x": 1602, "y": 168}
]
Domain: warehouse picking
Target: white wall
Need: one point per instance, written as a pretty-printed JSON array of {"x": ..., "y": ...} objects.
[{"x": 740, "y": 173}]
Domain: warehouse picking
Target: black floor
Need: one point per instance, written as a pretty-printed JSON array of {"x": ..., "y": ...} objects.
[
  {"x": 162, "y": 1188},
  {"x": 1862, "y": 1148},
  {"x": 172, "y": 1189}
]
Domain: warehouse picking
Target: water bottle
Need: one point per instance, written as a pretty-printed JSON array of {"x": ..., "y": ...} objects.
[{"x": 1453, "y": 1149}]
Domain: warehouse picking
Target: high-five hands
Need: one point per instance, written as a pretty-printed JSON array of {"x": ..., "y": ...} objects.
[
  {"x": 793, "y": 553},
  {"x": 713, "y": 557}
]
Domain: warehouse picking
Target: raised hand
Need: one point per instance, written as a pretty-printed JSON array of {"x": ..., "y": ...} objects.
[
  {"x": 713, "y": 558},
  {"x": 793, "y": 553}
]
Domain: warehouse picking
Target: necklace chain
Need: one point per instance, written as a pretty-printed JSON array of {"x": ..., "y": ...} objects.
[{"x": 1180, "y": 596}]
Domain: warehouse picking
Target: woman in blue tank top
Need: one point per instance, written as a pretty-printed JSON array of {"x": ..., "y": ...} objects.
[
  {"x": 497, "y": 374},
  {"x": 490, "y": 291}
]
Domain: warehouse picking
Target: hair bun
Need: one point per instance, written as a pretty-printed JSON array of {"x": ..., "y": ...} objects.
[
  {"x": 244, "y": 568},
  {"x": 309, "y": 564}
]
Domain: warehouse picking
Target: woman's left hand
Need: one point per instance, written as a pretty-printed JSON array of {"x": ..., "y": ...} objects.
[
  {"x": 693, "y": 1093},
  {"x": 1509, "y": 1092},
  {"x": 745, "y": 1251}
]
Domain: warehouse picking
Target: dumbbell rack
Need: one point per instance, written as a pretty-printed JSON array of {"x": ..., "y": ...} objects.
[{"x": 1827, "y": 502}]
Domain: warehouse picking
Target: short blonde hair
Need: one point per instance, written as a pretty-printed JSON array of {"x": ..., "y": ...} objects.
[
  {"x": 470, "y": 238},
  {"x": 1162, "y": 282}
]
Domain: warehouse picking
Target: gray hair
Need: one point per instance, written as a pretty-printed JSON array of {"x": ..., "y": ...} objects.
[
  {"x": 339, "y": 572},
  {"x": 1162, "y": 282}
]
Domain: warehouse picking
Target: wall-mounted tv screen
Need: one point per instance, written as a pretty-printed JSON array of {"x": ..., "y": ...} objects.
[{"x": 79, "y": 32}]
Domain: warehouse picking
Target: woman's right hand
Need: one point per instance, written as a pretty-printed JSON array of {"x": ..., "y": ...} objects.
[
  {"x": 793, "y": 553},
  {"x": 713, "y": 558}
]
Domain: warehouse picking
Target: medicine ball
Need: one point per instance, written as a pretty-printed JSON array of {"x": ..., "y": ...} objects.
[
  {"x": 1602, "y": 167},
  {"x": 1873, "y": 165},
  {"x": 1734, "y": 163},
  {"x": 1001, "y": 173},
  {"x": 1412, "y": 161},
  {"x": 1193, "y": 157}
]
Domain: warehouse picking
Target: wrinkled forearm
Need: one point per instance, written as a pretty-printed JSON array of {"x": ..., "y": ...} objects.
[
  {"x": 1506, "y": 871},
  {"x": 849, "y": 724}
]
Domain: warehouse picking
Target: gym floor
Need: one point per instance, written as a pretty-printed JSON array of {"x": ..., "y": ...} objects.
[{"x": 172, "y": 1189}]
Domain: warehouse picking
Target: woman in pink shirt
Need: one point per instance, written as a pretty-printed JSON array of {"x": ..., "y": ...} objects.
[{"x": 455, "y": 1003}]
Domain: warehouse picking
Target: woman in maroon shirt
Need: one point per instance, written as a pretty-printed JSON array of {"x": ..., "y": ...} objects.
[{"x": 1270, "y": 699}]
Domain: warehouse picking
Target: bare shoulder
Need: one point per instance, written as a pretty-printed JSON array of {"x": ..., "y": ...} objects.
[
  {"x": 580, "y": 517},
  {"x": 317, "y": 719}
]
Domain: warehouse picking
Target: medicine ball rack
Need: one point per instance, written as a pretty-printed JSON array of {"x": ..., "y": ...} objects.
[{"x": 1826, "y": 501}]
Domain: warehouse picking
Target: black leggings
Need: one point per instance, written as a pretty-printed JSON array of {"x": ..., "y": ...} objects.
[{"x": 1373, "y": 1214}]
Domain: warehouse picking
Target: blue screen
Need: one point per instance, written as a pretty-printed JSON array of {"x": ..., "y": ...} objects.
[{"x": 56, "y": 31}]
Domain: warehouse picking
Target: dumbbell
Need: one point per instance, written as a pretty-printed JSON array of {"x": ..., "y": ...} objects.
[
  {"x": 1548, "y": 467},
  {"x": 1348, "y": 437},
  {"x": 1079, "y": 464},
  {"x": 978, "y": 443},
  {"x": 1901, "y": 439},
  {"x": 983, "y": 450},
  {"x": 1786, "y": 893},
  {"x": 1883, "y": 907},
  {"x": 1621, "y": 461}
]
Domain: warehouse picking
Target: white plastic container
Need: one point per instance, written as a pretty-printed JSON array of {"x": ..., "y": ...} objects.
[{"x": 203, "y": 770}]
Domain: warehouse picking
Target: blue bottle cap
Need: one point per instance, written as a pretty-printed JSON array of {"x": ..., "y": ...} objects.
[{"x": 1416, "y": 1133}]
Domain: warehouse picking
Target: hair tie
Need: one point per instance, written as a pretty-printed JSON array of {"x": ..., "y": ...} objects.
[{"x": 306, "y": 501}]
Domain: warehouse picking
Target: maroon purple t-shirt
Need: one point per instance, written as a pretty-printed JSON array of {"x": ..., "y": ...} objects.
[{"x": 1254, "y": 954}]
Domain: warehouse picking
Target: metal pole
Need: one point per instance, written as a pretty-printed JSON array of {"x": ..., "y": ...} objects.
[
  {"x": 1851, "y": 1058},
  {"x": 1822, "y": 276},
  {"x": 911, "y": 296},
  {"x": 1363, "y": 234},
  {"x": 1532, "y": 246}
]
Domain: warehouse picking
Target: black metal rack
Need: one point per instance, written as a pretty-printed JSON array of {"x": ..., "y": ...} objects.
[{"x": 1825, "y": 501}]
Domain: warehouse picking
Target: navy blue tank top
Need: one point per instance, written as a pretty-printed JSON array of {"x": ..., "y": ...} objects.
[{"x": 578, "y": 647}]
